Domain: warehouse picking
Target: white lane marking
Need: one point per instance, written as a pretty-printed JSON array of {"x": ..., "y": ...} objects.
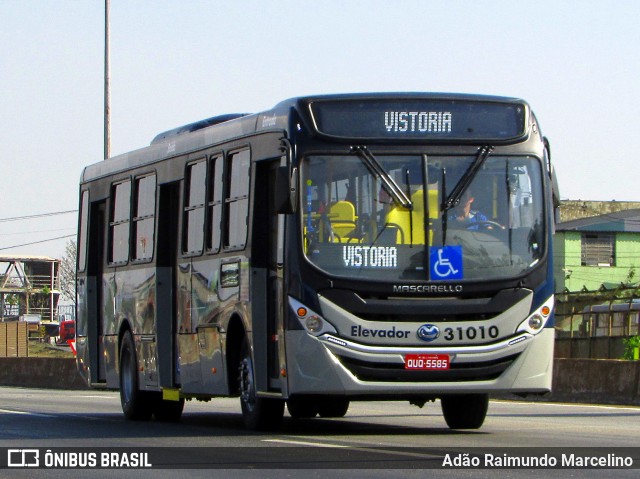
[
  {"x": 26, "y": 413},
  {"x": 302, "y": 443},
  {"x": 35, "y": 414},
  {"x": 95, "y": 396},
  {"x": 552, "y": 404},
  {"x": 354, "y": 448}
]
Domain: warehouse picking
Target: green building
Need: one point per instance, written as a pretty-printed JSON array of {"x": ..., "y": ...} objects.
[{"x": 597, "y": 251}]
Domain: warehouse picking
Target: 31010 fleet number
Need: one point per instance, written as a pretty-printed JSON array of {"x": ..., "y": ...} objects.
[{"x": 471, "y": 333}]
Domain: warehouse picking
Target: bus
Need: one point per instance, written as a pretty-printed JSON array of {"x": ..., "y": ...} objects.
[
  {"x": 335, "y": 248},
  {"x": 610, "y": 319},
  {"x": 598, "y": 331}
]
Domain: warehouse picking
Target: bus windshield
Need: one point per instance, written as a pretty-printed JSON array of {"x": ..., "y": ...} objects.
[{"x": 353, "y": 228}]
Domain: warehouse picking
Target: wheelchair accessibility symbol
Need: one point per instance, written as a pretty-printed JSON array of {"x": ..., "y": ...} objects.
[{"x": 446, "y": 262}]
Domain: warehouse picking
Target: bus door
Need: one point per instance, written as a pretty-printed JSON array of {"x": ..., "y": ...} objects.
[
  {"x": 169, "y": 206},
  {"x": 95, "y": 271},
  {"x": 267, "y": 302}
]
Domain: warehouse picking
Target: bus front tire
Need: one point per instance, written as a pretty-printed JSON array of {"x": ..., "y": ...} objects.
[
  {"x": 302, "y": 407},
  {"x": 305, "y": 407},
  {"x": 136, "y": 404},
  {"x": 333, "y": 407},
  {"x": 258, "y": 413},
  {"x": 465, "y": 411}
]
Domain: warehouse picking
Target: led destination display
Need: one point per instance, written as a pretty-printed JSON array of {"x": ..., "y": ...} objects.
[{"x": 420, "y": 119}]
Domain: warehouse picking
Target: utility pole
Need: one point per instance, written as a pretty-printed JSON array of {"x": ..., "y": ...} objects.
[{"x": 107, "y": 85}]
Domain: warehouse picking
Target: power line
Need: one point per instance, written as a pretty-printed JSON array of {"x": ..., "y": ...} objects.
[
  {"x": 41, "y": 215},
  {"x": 22, "y": 233},
  {"x": 37, "y": 242}
]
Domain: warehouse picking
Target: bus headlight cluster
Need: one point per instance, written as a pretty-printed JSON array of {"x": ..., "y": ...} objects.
[
  {"x": 538, "y": 319},
  {"x": 312, "y": 322}
]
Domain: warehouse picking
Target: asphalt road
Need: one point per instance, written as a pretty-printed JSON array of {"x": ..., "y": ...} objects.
[{"x": 38, "y": 418}]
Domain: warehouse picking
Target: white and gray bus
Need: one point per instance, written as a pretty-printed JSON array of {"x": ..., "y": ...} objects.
[{"x": 332, "y": 249}]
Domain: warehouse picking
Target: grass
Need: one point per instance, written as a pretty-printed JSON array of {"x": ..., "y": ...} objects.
[{"x": 38, "y": 349}]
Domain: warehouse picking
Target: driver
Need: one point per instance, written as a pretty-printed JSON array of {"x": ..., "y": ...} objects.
[{"x": 464, "y": 215}]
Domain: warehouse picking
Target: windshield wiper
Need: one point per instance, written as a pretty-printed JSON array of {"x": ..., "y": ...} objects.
[
  {"x": 456, "y": 195},
  {"x": 377, "y": 170}
]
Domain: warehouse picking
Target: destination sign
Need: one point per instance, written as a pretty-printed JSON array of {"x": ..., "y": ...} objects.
[{"x": 419, "y": 119}]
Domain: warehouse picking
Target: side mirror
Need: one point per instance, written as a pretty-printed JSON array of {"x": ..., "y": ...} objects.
[
  {"x": 555, "y": 189},
  {"x": 286, "y": 190}
]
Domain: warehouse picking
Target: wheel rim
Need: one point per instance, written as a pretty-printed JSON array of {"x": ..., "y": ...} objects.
[{"x": 247, "y": 389}]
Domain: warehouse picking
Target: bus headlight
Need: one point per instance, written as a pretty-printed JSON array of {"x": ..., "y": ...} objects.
[
  {"x": 537, "y": 320},
  {"x": 313, "y": 324},
  {"x": 311, "y": 321}
]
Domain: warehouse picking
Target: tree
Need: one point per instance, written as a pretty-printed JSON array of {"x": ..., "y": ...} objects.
[{"x": 68, "y": 272}]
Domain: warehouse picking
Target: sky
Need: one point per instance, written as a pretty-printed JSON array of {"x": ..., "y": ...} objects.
[{"x": 577, "y": 63}]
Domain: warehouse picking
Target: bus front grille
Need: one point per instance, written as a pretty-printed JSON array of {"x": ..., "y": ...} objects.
[{"x": 388, "y": 372}]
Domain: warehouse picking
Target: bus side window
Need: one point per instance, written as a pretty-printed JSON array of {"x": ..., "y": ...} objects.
[
  {"x": 119, "y": 224},
  {"x": 237, "y": 199},
  {"x": 144, "y": 217},
  {"x": 193, "y": 220}
]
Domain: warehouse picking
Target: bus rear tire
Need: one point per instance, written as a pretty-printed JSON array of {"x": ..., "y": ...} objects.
[
  {"x": 167, "y": 411},
  {"x": 333, "y": 407},
  {"x": 136, "y": 404},
  {"x": 465, "y": 411},
  {"x": 258, "y": 413}
]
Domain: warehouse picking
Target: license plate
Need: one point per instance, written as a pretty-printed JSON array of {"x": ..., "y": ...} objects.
[{"x": 427, "y": 362}]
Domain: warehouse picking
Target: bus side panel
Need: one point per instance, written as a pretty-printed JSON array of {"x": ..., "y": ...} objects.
[
  {"x": 139, "y": 300},
  {"x": 189, "y": 363},
  {"x": 536, "y": 365},
  {"x": 211, "y": 360},
  {"x": 130, "y": 301},
  {"x": 190, "y": 376},
  {"x": 312, "y": 369},
  {"x": 209, "y": 295},
  {"x": 205, "y": 284},
  {"x": 137, "y": 306},
  {"x": 109, "y": 331}
]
